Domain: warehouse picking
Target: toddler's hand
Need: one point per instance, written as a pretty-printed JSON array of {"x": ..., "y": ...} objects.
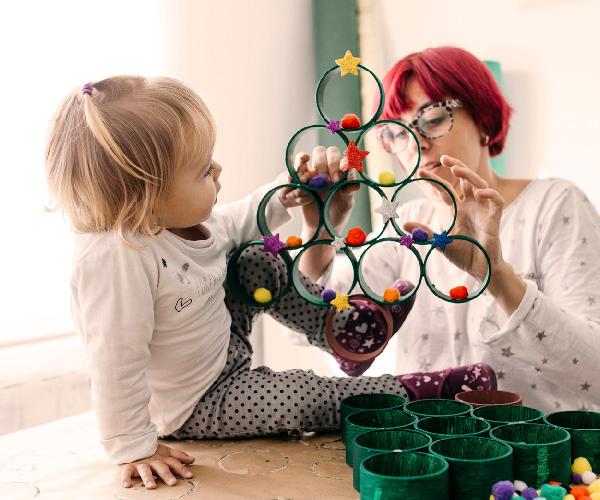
[
  {"x": 164, "y": 462},
  {"x": 327, "y": 162}
]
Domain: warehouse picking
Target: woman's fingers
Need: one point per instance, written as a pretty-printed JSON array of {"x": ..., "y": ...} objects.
[
  {"x": 491, "y": 195},
  {"x": 441, "y": 191},
  {"x": 145, "y": 473},
  {"x": 460, "y": 170}
]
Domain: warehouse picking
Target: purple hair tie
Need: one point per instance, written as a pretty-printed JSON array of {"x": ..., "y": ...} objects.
[{"x": 87, "y": 89}]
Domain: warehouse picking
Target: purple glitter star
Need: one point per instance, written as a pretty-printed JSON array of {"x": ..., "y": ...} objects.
[
  {"x": 334, "y": 126},
  {"x": 319, "y": 181},
  {"x": 407, "y": 240},
  {"x": 441, "y": 240},
  {"x": 273, "y": 245}
]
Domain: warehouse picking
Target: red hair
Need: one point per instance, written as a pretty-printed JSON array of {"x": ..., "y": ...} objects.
[{"x": 451, "y": 72}]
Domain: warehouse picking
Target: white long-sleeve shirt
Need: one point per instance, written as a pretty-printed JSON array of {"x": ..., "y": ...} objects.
[
  {"x": 548, "y": 350},
  {"x": 154, "y": 322}
]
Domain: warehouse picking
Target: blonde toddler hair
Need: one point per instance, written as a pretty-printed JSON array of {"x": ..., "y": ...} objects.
[{"x": 114, "y": 146}]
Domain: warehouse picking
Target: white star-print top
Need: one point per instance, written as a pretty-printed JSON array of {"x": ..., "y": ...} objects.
[{"x": 548, "y": 350}]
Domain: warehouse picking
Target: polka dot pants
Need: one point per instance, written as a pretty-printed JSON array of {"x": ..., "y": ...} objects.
[{"x": 244, "y": 402}]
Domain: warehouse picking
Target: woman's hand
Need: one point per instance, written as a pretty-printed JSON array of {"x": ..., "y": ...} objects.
[
  {"x": 478, "y": 216},
  {"x": 164, "y": 462},
  {"x": 327, "y": 162}
]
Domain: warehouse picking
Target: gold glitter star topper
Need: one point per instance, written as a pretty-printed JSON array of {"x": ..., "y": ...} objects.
[{"x": 349, "y": 64}]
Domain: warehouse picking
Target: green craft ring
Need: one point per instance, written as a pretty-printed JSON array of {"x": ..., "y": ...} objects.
[
  {"x": 443, "y": 186},
  {"x": 289, "y": 158},
  {"x": 295, "y": 275},
  {"x": 329, "y": 199},
  {"x": 367, "y": 289},
  {"x": 471, "y": 296},
  {"x": 414, "y": 170},
  {"x": 261, "y": 217},
  {"x": 320, "y": 92},
  {"x": 233, "y": 283}
]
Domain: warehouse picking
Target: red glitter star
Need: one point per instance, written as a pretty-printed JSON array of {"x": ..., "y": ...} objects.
[{"x": 355, "y": 157}]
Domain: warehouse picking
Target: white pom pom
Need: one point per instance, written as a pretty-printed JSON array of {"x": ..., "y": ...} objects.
[
  {"x": 588, "y": 477},
  {"x": 520, "y": 485}
]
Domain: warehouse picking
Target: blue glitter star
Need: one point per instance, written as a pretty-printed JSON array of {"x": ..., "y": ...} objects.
[
  {"x": 334, "y": 126},
  {"x": 441, "y": 240},
  {"x": 273, "y": 245}
]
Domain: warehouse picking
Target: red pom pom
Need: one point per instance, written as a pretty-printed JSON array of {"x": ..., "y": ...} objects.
[
  {"x": 350, "y": 121},
  {"x": 459, "y": 293},
  {"x": 356, "y": 237}
]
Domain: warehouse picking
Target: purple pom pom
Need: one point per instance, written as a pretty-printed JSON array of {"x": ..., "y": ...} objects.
[
  {"x": 419, "y": 235},
  {"x": 319, "y": 181},
  {"x": 503, "y": 490},
  {"x": 529, "y": 493},
  {"x": 576, "y": 478},
  {"x": 328, "y": 295}
]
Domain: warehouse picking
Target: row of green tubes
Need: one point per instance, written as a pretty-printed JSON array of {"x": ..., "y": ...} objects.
[{"x": 443, "y": 449}]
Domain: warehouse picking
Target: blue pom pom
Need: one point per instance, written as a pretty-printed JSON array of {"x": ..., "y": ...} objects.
[
  {"x": 419, "y": 235},
  {"x": 328, "y": 295},
  {"x": 503, "y": 490},
  {"x": 529, "y": 493}
]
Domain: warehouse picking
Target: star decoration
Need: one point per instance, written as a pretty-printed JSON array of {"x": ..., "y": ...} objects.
[
  {"x": 388, "y": 209},
  {"x": 334, "y": 126},
  {"x": 541, "y": 335},
  {"x": 545, "y": 361},
  {"x": 340, "y": 302},
  {"x": 348, "y": 64},
  {"x": 273, "y": 245},
  {"x": 355, "y": 157},
  {"x": 534, "y": 386},
  {"x": 441, "y": 240},
  {"x": 575, "y": 361},
  {"x": 368, "y": 343},
  {"x": 477, "y": 372},
  {"x": 506, "y": 352},
  {"x": 407, "y": 240},
  {"x": 500, "y": 374},
  {"x": 585, "y": 386},
  {"x": 338, "y": 243}
]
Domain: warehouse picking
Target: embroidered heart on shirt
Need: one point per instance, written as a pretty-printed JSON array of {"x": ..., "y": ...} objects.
[{"x": 181, "y": 304}]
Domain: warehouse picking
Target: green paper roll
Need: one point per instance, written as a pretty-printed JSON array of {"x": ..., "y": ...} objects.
[
  {"x": 501, "y": 415},
  {"x": 437, "y": 408},
  {"x": 541, "y": 452},
  {"x": 375, "y": 442},
  {"x": 584, "y": 428},
  {"x": 371, "y": 420},
  {"x": 400, "y": 476},
  {"x": 361, "y": 402},
  {"x": 445, "y": 427},
  {"x": 476, "y": 463}
]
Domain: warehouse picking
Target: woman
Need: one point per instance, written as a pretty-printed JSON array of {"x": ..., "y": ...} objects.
[{"x": 538, "y": 323}]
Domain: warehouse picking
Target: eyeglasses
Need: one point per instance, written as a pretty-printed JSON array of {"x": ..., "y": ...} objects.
[{"x": 432, "y": 122}]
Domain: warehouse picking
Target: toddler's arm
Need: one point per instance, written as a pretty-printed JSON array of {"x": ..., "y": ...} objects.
[{"x": 113, "y": 307}]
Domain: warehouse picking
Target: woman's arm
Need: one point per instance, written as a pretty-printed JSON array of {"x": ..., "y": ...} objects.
[{"x": 556, "y": 326}]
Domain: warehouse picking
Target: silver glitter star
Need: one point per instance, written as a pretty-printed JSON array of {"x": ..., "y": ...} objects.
[
  {"x": 585, "y": 386},
  {"x": 388, "y": 209},
  {"x": 507, "y": 352},
  {"x": 338, "y": 243},
  {"x": 541, "y": 335},
  {"x": 500, "y": 374}
]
